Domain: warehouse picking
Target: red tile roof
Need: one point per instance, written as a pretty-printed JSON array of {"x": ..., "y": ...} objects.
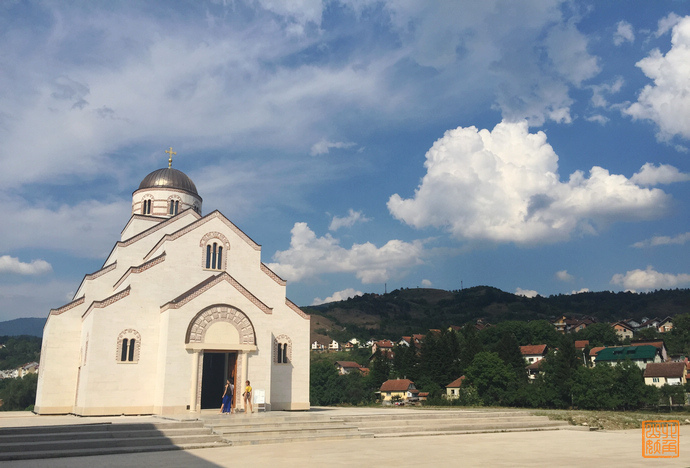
[
  {"x": 594, "y": 351},
  {"x": 581, "y": 344},
  {"x": 457, "y": 383},
  {"x": 397, "y": 385},
  {"x": 656, "y": 344},
  {"x": 533, "y": 349},
  {"x": 665, "y": 369},
  {"x": 348, "y": 364}
]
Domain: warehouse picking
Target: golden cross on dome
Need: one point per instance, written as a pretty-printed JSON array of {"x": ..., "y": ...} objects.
[{"x": 170, "y": 152}]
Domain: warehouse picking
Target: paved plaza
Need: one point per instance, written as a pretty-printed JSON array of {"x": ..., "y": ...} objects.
[{"x": 530, "y": 449}]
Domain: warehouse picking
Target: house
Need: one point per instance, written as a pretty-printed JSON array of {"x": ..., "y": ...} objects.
[
  {"x": 666, "y": 325},
  {"x": 348, "y": 346},
  {"x": 334, "y": 346},
  {"x": 658, "y": 344},
  {"x": 385, "y": 347},
  {"x": 593, "y": 353},
  {"x": 577, "y": 325},
  {"x": 405, "y": 341},
  {"x": 397, "y": 390},
  {"x": 453, "y": 388},
  {"x": 316, "y": 346},
  {"x": 534, "y": 369},
  {"x": 640, "y": 355},
  {"x": 671, "y": 373},
  {"x": 345, "y": 367},
  {"x": 623, "y": 330},
  {"x": 560, "y": 324},
  {"x": 26, "y": 369},
  {"x": 533, "y": 353},
  {"x": 581, "y": 348},
  {"x": 650, "y": 323}
]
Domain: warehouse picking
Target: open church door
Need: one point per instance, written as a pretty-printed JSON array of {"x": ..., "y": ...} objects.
[{"x": 217, "y": 367}]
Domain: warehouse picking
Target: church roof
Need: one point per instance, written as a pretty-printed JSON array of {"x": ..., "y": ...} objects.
[{"x": 168, "y": 178}]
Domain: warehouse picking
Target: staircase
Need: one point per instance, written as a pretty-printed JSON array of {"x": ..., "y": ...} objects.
[
  {"x": 23, "y": 443},
  {"x": 425, "y": 423},
  {"x": 271, "y": 428}
]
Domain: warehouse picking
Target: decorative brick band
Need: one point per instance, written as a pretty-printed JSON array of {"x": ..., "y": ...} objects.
[
  {"x": 197, "y": 224},
  {"x": 208, "y": 284},
  {"x": 66, "y": 307},
  {"x": 272, "y": 275},
  {"x": 153, "y": 229},
  {"x": 107, "y": 301},
  {"x": 101, "y": 272},
  {"x": 138, "y": 269},
  {"x": 196, "y": 331},
  {"x": 299, "y": 311}
]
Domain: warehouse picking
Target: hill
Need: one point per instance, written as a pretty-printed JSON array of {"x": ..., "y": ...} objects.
[
  {"x": 407, "y": 311},
  {"x": 23, "y": 326}
]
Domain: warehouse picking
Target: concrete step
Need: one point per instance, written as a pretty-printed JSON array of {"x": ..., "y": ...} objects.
[
  {"x": 473, "y": 431},
  {"x": 32, "y": 455},
  {"x": 99, "y": 439},
  {"x": 391, "y": 429},
  {"x": 298, "y": 437}
]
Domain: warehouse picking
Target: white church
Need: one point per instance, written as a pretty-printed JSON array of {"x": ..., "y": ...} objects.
[{"x": 182, "y": 303}]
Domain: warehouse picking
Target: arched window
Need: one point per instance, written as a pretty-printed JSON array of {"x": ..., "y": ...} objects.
[
  {"x": 215, "y": 247},
  {"x": 282, "y": 350},
  {"x": 214, "y": 256},
  {"x": 174, "y": 207},
  {"x": 128, "y": 345},
  {"x": 146, "y": 207}
]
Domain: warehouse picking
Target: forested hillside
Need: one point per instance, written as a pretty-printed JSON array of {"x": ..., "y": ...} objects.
[{"x": 408, "y": 311}]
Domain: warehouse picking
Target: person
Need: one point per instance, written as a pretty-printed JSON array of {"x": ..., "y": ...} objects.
[
  {"x": 248, "y": 397},
  {"x": 226, "y": 406}
]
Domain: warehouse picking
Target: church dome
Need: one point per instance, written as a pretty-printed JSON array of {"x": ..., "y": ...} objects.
[{"x": 168, "y": 178}]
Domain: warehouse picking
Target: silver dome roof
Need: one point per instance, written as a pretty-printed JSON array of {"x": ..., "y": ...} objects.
[{"x": 169, "y": 178}]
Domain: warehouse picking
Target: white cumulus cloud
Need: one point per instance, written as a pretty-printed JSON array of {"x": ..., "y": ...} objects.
[
  {"x": 651, "y": 175},
  {"x": 426, "y": 283},
  {"x": 667, "y": 101},
  {"x": 310, "y": 256},
  {"x": 14, "y": 265},
  {"x": 641, "y": 280},
  {"x": 526, "y": 292},
  {"x": 347, "y": 221},
  {"x": 338, "y": 296},
  {"x": 563, "y": 275},
  {"x": 503, "y": 186}
]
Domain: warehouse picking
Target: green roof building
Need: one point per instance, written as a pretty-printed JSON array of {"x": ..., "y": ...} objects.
[{"x": 640, "y": 355}]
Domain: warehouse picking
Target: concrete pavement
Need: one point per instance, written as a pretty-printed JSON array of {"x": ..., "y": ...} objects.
[{"x": 529, "y": 449}]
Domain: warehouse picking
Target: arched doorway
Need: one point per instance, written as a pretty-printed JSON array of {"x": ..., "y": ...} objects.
[{"x": 220, "y": 336}]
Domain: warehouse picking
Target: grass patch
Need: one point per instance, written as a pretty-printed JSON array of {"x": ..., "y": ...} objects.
[{"x": 613, "y": 420}]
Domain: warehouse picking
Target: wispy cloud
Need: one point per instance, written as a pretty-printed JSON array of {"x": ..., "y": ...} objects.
[
  {"x": 655, "y": 241},
  {"x": 350, "y": 220},
  {"x": 526, "y": 292},
  {"x": 338, "y": 296}
]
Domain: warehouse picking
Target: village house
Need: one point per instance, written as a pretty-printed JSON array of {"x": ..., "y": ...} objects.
[
  {"x": 639, "y": 355},
  {"x": 666, "y": 325},
  {"x": 316, "y": 346},
  {"x": 623, "y": 330},
  {"x": 453, "y": 388},
  {"x": 662, "y": 373},
  {"x": 658, "y": 344},
  {"x": 402, "y": 390},
  {"x": 345, "y": 367},
  {"x": 533, "y": 353},
  {"x": 334, "y": 346}
]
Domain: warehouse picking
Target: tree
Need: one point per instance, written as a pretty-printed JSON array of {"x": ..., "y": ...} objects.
[
  {"x": 491, "y": 377},
  {"x": 325, "y": 387},
  {"x": 592, "y": 388},
  {"x": 599, "y": 334},
  {"x": 559, "y": 369},
  {"x": 471, "y": 345},
  {"x": 379, "y": 371},
  {"x": 405, "y": 362},
  {"x": 19, "y": 394},
  {"x": 509, "y": 351}
]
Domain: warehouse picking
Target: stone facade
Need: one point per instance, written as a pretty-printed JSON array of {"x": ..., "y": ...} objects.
[{"x": 179, "y": 324}]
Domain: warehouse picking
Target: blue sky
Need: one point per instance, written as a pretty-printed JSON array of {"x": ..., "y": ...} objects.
[{"x": 540, "y": 147}]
